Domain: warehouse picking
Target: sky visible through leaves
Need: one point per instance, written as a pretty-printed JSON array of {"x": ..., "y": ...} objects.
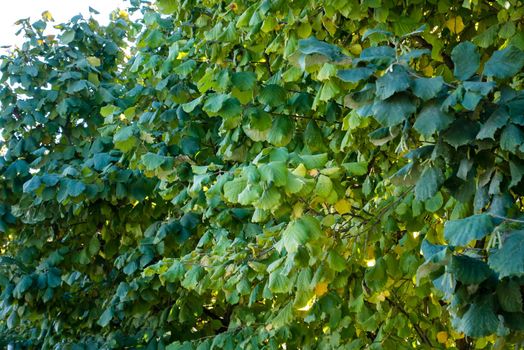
[{"x": 62, "y": 10}]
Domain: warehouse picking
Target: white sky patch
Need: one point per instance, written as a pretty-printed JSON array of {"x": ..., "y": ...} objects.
[{"x": 62, "y": 11}]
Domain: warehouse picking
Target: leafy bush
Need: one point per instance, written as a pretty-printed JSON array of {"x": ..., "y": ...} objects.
[{"x": 259, "y": 173}]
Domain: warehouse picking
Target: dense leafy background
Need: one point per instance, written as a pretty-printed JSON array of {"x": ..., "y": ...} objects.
[{"x": 333, "y": 174}]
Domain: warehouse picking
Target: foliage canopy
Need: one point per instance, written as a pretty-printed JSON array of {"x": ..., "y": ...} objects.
[{"x": 320, "y": 174}]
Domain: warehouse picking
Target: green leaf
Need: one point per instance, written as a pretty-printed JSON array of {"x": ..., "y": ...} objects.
[
  {"x": 75, "y": 188},
  {"x": 462, "y": 232},
  {"x": 273, "y": 95},
  {"x": 279, "y": 283},
  {"x": 497, "y": 120},
  {"x": 355, "y": 75},
  {"x": 214, "y": 103},
  {"x": 106, "y": 317},
  {"x": 22, "y": 286},
  {"x": 94, "y": 245},
  {"x": 68, "y": 36},
  {"x": 466, "y": 60},
  {"x": 481, "y": 87},
  {"x": 429, "y": 183},
  {"x": 299, "y": 232},
  {"x": 471, "y": 100},
  {"x": 436, "y": 257},
  {"x": 413, "y": 54},
  {"x": 167, "y": 6},
  {"x": 192, "y": 277},
  {"x": 509, "y": 296},
  {"x": 50, "y": 179},
  {"x": 461, "y": 132},
  {"x": 509, "y": 259},
  {"x": 512, "y": 138},
  {"x": 258, "y": 126},
  {"x": 427, "y": 88},
  {"x": 370, "y": 32},
  {"x": 479, "y": 320},
  {"x": 274, "y": 172},
  {"x": 324, "y": 186},
  {"x": 390, "y": 83},
  {"x": 516, "y": 168},
  {"x": 190, "y": 106},
  {"x": 516, "y": 109},
  {"x": 270, "y": 199},
  {"x": 232, "y": 189},
  {"x": 185, "y": 68},
  {"x": 327, "y": 71},
  {"x": 376, "y": 277},
  {"x": 32, "y": 185},
  {"x": 469, "y": 270},
  {"x": 434, "y": 203},
  {"x": 394, "y": 110},
  {"x": 175, "y": 272},
  {"x": 356, "y": 168},
  {"x": 231, "y": 114},
  {"x": 125, "y": 139},
  {"x": 13, "y": 320},
  {"x": 282, "y": 131},
  {"x": 329, "y": 90},
  {"x": 336, "y": 262},
  {"x": 313, "y": 137},
  {"x": 244, "y": 81},
  {"x": 152, "y": 161},
  {"x": 284, "y": 316},
  {"x": 54, "y": 279},
  {"x": 432, "y": 119},
  {"x": 314, "y": 161},
  {"x": 187, "y": 345},
  {"x": 250, "y": 194},
  {"x": 101, "y": 160},
  {"x": 504, "y": 63},
  {"x": 381, "y": 56},
  {"x": 312, "y": 46},
  {"x": 77, "y": 86},
  {"x": 108, "y": 110}
]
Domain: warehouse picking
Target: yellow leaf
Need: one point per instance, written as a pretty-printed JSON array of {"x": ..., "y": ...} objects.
[
  {"x": 355, "y": 49},
  {"x": 269, "y": 24},
  {"x": 455, "y": 24},
  {"x": 300, "y": 170},
  {"x": 383, "y": 295},
  {"x": 442, "y": 337},
  {"x": 329, "y": 25},
  {"x": 428, "y": 71},
  {"x": 313, "y": 172},
  {"x": 456, "y": 335},
  {"x": 147, "y": 137},
  {"x": 94, "y": 61},
  {"x": 123, "y": 14},
  {"x": 321, "y": 289},
  {"x": 298, "y": 210},
  {"x": 93, "y": 78},
  {"x": 304, "y": 30},
  {"x": 342, "y": 206},
  {"x": 181, "y": 55},
  {"x": 370, "y": 252},
  {"x": 47, "y": 16}
]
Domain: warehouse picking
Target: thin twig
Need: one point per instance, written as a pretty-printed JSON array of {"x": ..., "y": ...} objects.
[{"x": 505, "y": 218}]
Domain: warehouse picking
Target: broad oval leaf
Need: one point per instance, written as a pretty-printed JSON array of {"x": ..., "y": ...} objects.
[
  {"x": 509, "y": 259},
  {"x": 461, "y": 232}
]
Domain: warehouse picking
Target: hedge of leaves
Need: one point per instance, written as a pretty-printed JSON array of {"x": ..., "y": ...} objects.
[{"x": 265, "y": 175}]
